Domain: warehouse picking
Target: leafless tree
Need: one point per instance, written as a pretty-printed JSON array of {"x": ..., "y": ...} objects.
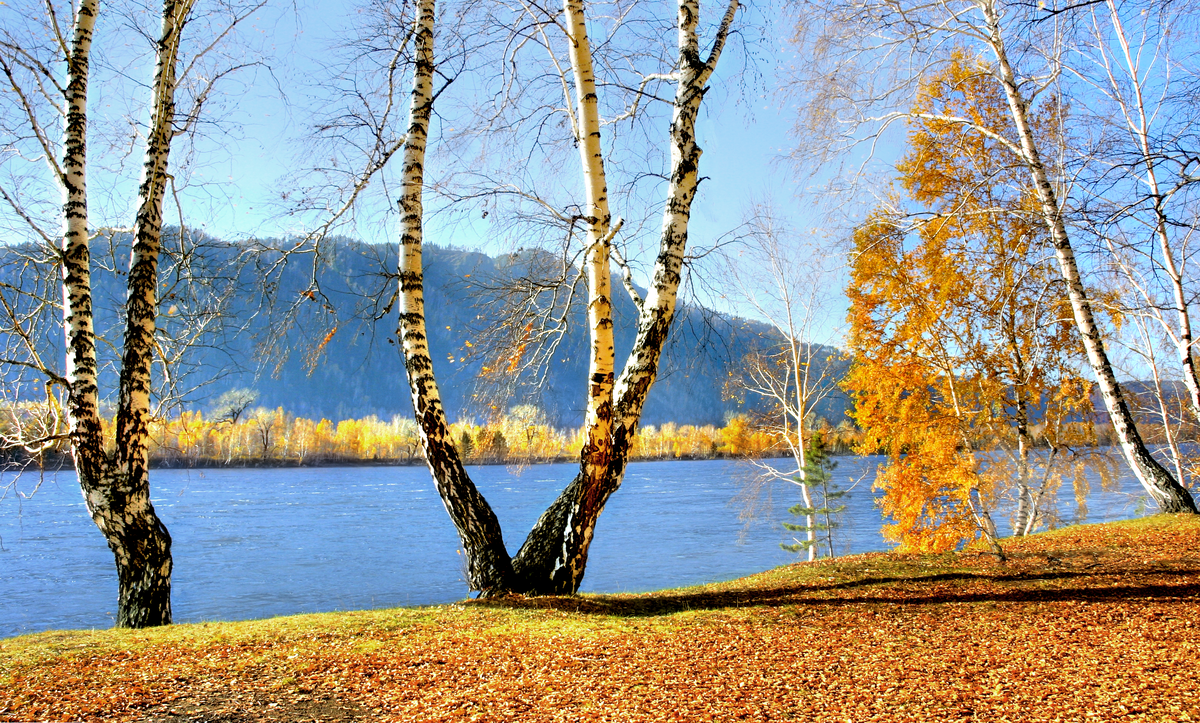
[
  {"x": 787, "y": 281},
  {"x": 1139, "y": 201},
  {"x": 554, "y": 556}
]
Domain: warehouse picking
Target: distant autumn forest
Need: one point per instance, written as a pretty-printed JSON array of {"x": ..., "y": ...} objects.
[{"x": 276, "y": 437}]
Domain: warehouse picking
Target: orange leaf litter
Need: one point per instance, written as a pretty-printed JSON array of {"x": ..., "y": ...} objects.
[{"x": 1095, "y": 623}]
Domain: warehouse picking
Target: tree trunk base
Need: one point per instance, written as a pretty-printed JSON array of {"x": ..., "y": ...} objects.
[{"x": 144, "y": 579}]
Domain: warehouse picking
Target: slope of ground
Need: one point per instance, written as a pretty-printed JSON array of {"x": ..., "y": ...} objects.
[{"x": 1096, "y": 622}]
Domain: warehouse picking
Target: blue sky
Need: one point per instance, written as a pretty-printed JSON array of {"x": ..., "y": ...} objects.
[
  {"x": 743, "y": 141},
  {"x": 231, "y": 177},
  {"x": 746, "y": 136}
]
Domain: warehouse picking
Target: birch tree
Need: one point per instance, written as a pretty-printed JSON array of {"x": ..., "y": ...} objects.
[
  {"x": 1021, "y": 47},
  {"x": 553, "y": 558},
  {"x": 1143, "y": 195},
  {"x": 961, "y": 341},
  {"x": 1139, "y": 195},
  {"x": 783, "y": 280},
  {"x": 113, "y": 470}
]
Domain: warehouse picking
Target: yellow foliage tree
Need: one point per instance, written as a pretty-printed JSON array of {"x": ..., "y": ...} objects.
[{"x": 955, "y": 338}]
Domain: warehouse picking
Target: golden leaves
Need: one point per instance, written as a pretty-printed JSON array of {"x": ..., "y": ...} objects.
[{"x": 953, "y": 334}]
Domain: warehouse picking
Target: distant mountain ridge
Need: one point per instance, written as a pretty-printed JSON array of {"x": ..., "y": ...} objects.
[
  {"x": 360, "y": 373},
  {"x": 336, "y": 357}
]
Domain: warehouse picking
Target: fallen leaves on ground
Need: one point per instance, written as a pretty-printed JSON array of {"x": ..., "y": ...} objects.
[{"x": 1096, "y": 622}]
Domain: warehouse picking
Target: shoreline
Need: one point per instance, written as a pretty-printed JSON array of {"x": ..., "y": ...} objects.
[
  {"x": 65, "y": 464},
  {"x": 896, "y": 636}
]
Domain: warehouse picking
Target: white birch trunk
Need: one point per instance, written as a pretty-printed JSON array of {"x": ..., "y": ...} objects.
[
  {"x": 1184, "y": 339},
  {"x": 554, "y": 555},
  {"x": 141, "y": 303},
  {"x": 1157, "y": 481},
  {"x": 553, "y": 558},
  {"x": 658, "y": 308},
  {"x": 801, "y": 450},
  {"x": 810, "y": 519},
  {"x": 1025, "y": 510},
  {"x": 597, "y": 446},
  {"x": 116, "y": 491},
  {"x": 489, "y": 568},
  {"x": 1139, "y": 127},
  {"x": 83, "y": 417}
]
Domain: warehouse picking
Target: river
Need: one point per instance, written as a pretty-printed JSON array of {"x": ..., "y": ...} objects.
[{"x": 254, "y": 543}]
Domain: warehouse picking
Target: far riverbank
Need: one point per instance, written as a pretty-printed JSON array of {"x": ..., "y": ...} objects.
[{"x": 62, "y": 462}]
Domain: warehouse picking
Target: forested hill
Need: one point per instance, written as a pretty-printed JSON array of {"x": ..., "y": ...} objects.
[
  {"x": 359, "y": 371},
  {"x": 329, "y": 350}
]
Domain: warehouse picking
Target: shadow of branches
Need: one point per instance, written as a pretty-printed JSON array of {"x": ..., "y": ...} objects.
[{"x": 1096, "y": 584}]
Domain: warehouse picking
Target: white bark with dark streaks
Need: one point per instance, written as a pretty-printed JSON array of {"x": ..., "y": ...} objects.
[
  {"x": 554, "y": 555},
  {"x": 489, "y": 567},
  {"x": 571, "y": 520},
  {"x": 116, "y": 489},
  {"x": 141, "y": 544},
  {"x": 1139, "y": 123},
  {"x": 83, "y": 416},
  {"x": 1155, "y": 479}
]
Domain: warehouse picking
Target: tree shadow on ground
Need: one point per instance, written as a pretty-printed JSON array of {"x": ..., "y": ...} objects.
[{"x": 951, "y": 587}]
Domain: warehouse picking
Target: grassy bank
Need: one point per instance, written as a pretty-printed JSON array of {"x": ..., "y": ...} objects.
[{"x": 1097, "y": 622}]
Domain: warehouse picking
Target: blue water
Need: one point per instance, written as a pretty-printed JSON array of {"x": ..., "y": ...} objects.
[{"x": 251, "y": 543}]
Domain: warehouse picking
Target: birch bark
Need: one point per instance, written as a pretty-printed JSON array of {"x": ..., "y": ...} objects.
[
  {"x": 1026, "y": 514},
  {"x": 83, "y": 416},
  {"x": 810, "y": 519},
  {"x": 596, "y": 454},
  {"x": 1155, "y": 479},
  {"x": 554, "y": 555},
  {"x": 116, "y": 488},
  {"x": 1138, "y": 124},
  {"x": 489, "y": 568},
  {"x": 138, "y": 538}
]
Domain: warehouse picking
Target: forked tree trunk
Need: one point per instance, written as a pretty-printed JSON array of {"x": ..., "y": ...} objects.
[
  {"x": 120, "y": 506},
  {"x": 117, "y": 489},
  {"x": 554, "y": 556},
  {"x": 1155, "y": 479}
]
